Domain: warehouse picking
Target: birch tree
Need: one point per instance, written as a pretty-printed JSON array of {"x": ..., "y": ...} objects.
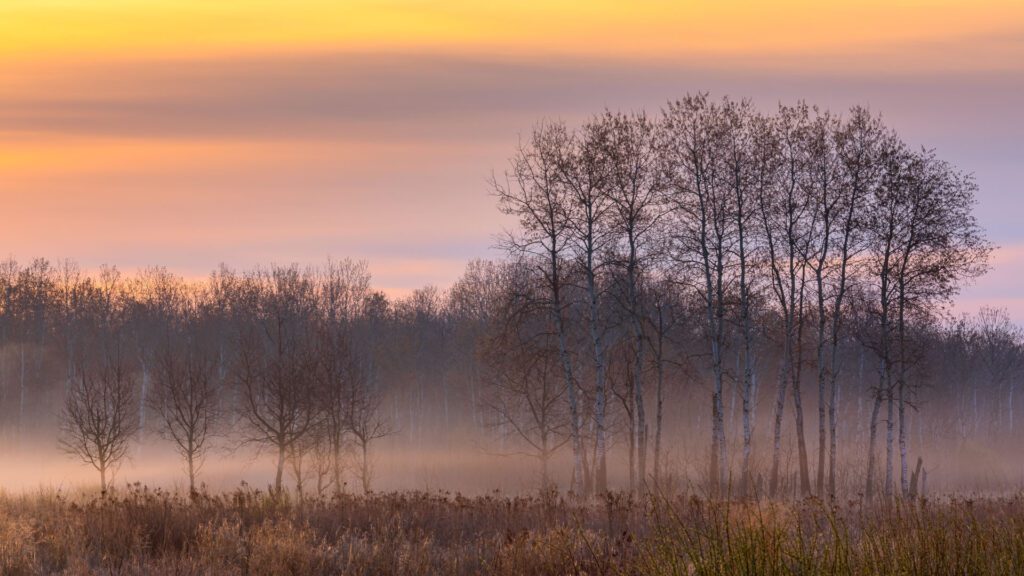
[
  {"x": 742, "y": 175},
  {"x": 583, "y": 170},
  {"x": 856, "y": 143},
  {"x": 786, "y": 213},
  {"x": 637, "y": 205},
  {"x": 703, "y": 238},
  {"x": 533, "y": 194}
]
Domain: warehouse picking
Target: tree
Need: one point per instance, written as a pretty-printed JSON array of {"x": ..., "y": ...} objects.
[
  {"x": 702, "y": 239},
  {"x": 365, "y": 423},
  {"x": 276, "y": 366},
  {"x": 744, "y": 173},
  {"x": 157, "y": 296},
  {"x": 787, "y": 212},
  {"x": 666, "y": 314},
  {"x": 99, "y": 418},
  {"x": 525, "y": 393},
  {"x": 343, "y": 289},
  {"x": 856, "y": 144},
  {"x": 923, "y": 240},
  {"x": 940, "y": 245},
  {"x": 186, "y": 395},
  {"x": 998, "y": 343},
  {"x": 824, "y": 174},
  {"x": 533, "y": 194},
  {"x": 636, "y": 191},
  {"x": 583, "y": 170}
]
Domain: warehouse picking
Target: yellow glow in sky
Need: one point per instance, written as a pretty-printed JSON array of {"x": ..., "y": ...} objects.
[{"x": 651, "y": 28}]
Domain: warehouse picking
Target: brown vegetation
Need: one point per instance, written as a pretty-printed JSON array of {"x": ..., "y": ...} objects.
[{"x": 141, "y": 531}]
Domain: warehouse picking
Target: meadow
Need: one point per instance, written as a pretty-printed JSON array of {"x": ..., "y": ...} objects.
[{"x": 137, "y": 530}]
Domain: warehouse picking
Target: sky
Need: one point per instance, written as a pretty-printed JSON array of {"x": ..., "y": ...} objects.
[{"x": 187, "y": 133}]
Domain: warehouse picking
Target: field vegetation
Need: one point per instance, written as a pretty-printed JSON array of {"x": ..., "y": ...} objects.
[{"x": 136, "y": 530}]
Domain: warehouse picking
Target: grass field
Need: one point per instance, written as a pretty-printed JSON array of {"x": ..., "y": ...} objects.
[{"x": 142, "y": 531}]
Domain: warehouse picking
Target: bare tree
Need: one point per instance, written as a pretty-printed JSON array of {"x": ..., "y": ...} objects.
[
  {"x": 824, "y": 173},
  {"x": 100, "y": 418},
  {"x": 186, "y": 397},
  {"x": 343, "y": 289},
  {"x": 940, "y": 244},
  {"x": 703, "y": 238},
  {"x": 743, "y": 175},
  {"x": 665, "y": 316},
  {"x": 583, "y": 170},
  {"x": 636, "y": 189},
  {"x": 882, "y": 232},
  {"x": 923, "y": 240},
  {"x": 998, "y": 344},
  {"x": 856, "y": 144},
  {"x": 525, "y": 393},
  {"x": 276, "y": 366},
  {"x": 157, "y": 299},
  {"x": 534, "y": 194},
  {"x": 787, "y": 213},
  {"x": 366, "y": 424}
]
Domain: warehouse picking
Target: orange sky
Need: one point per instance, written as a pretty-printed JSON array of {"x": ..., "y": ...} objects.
[
  {"x": 649, "y": 28},
  {"x": 190, "y": 132}
]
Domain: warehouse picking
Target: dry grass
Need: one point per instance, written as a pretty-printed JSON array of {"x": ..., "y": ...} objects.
[{"x": 142, "y": 531}]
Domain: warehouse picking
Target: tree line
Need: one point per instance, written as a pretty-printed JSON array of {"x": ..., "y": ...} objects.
[
  {"x": 787, "y": 238},
  {"x": 267, "y": 355},
  {"x": 670, "y": 279}
]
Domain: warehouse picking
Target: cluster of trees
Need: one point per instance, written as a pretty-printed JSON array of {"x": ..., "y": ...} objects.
[
  {"x": 732, "y": 242},
  {"x": 661, "y": 266},
  {"x": 267, "y": 355}
]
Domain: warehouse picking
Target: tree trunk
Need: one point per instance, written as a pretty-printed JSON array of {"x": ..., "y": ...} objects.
[
  {"x": 641, "y": 419},
  {"x": 780, "y": 407},
  {"x": 21, "y": 394},
  {"x": 279, "y": 476},
  {"x": 823, "y": 403},
  {"x": 869, "y": 489},
  {"x": 833, "y": 441},
  {"x": 336, "y": 465},
  {"x": 600, "y": 399},
  {"x": 801, "y": 440},
  {"x": 747, "y": 439},
  {"x": 142, "y": 401},
  {"x": 904, "y": 478},
  {"x": 747, "y": 393},
  {"x": 545, "y": 455},
  {"x": 365, "y": 472},
  {"x": 570, "y": 383},
  {"x": 718, "y": 427},
  {"x": 191, "y": 474},
  {"x": 889, "y": 439},
  {"x": 658, "y": 409},
  {"x": 103, "y": 480},
  {"x": 631, "y": 398},
  {"x": 297, "y": 463},
  {"x": 588, "y": 476}
]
